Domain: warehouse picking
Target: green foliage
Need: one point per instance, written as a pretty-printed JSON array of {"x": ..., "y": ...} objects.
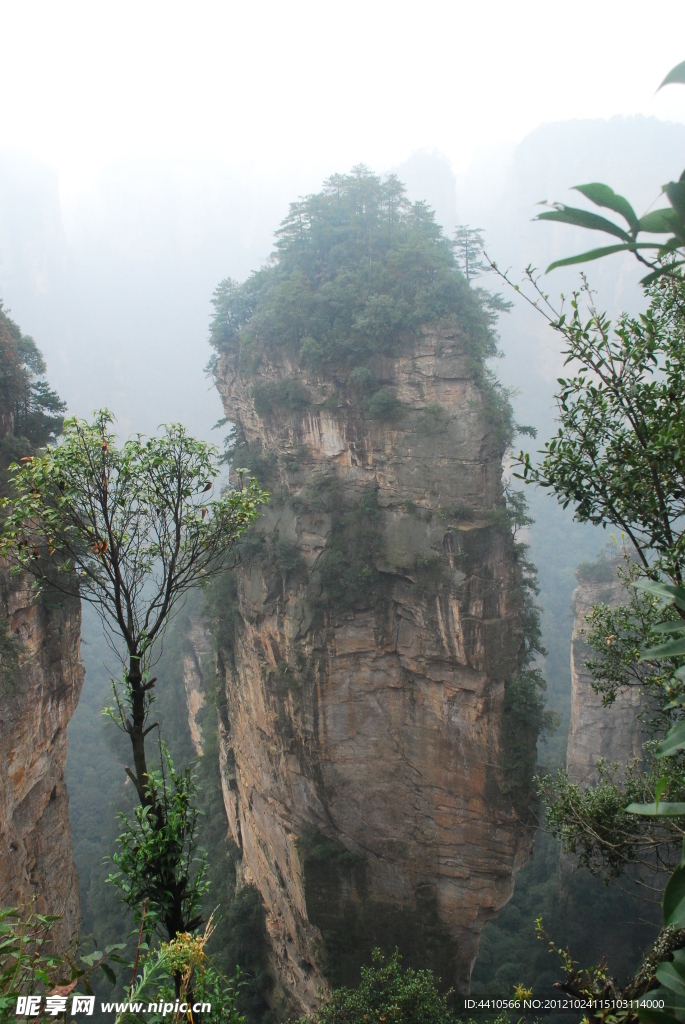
[
  {"x": 357, "y": 268},
  {"x": 592, "y": 821},
  {"x": 96, "y": 793},
  {"x": 25, "y": 396},
  {"x": 665, "y": 962},
  {"x": 221, "y": 611},
  {"x": 347, "y": 575},
  {"x": 288, "y": 559},
  {"x": 124, "y": 522},
  {"x": 618, "y": 636},
  {"x": 284, "y": 394},
  {"x": 386, "y": 992},
  {"x": 468, "y": 248},
  {"x": 524, "y": 717},
  {"x": 10, "y": 649},
  {"x": 29, "y": 966},
  {"x": 524, "y": 720},
  {"x": 241, "y": 941},
  {"x": 657, "y": 222},
  {"x": 131, "y": 530},
  {"x": 160, "y": 867},
  {"x": 179, "y": 972},
  {"x": 30, "y": 412},
  {"x": 618, "y": 453},
  {"x": 315, "y": 847},
  {"x": 601, "y": 570},
  {"x": 589, "y": 917},
  {"x": 665, "y": 221},
  {"x": 384, "y": 405},
  {"x": 361, "y": 380},
  {"x": 222, "y": 994}
]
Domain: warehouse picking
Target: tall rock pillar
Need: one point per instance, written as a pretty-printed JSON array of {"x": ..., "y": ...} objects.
[{"x": 377, "y": 624}]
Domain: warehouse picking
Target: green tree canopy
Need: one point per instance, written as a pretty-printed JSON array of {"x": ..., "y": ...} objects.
[
  {"x": 357, "y": 268},
  {"x": 131, "y": 528},
  {"x": 619, "y": 452},
  {"x": 386, "y": 992},
  {"x": 468, "y": 247},
  {"x": 29, "y": 408}
]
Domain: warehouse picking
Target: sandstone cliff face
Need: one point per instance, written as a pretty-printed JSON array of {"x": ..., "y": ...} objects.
[
  {"x": 595, "y": 731},
  {"x": 40, "y": 682},
  {"x": 197, "y": 660},
  {"x": 378, "y": 621}
]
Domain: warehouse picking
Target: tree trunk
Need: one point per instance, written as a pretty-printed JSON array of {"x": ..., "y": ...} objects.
[{"x": 137, "y": 730}]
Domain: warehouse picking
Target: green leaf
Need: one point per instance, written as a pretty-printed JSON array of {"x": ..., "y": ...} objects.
[
  {"x": 674, "y": 595},
  {"x": 659, "y": 222},
  {"x": 674, "y": 626},
  {"x": 585, "y": 257},
  {"x": 584, "y": 219},
  {"x": 671, "y": 649},
  {"x": 665, "y": 810},
  {"x": 602, "y": 195},
  {"x": 108, "y": 972},
  {"x": 676, "y": 76},
  {"x": 671, "y": 978},
  {"x": 656, "y": 274},
  {"x": 659, "y": 791},
  {"x": 673, "y": 741},
  {"x": 675, "y": 190},
  {"x": 649, "y": 1016},
  {"x": 674, "y": 898}
]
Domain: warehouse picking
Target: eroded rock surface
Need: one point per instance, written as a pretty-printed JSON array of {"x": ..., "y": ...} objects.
[
  {"x": 364, "y": 752},
  {"x": 196, "y": 659},
  {"x": 596, "y": 731},
  {"x": 40, "y": 682}
]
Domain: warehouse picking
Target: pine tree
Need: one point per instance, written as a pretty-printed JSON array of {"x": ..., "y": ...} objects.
[{"x": 468, "y": 246}]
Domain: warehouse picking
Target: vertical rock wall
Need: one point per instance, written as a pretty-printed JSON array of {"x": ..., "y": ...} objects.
[
  {"x": 40, "y": 683},
  {"x": 595, "y": 731},
  {"x": 378, "y": 621},
  {"x": 197, "y": 657}
]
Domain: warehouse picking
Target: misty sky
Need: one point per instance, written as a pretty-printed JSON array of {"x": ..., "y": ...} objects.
[
  {"x": 280, "y": 86},
  {"x": 148, "y": 150}
]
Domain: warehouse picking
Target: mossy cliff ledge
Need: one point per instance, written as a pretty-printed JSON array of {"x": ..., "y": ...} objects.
[{"x": 377, "y": 620}]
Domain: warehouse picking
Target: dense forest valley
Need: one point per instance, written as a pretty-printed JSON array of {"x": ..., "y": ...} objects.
[{"x": 362, "y": 711}]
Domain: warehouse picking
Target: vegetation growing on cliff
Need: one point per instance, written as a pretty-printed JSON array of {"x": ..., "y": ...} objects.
[
  {"x": 592, "y": 822},
  {"x": 96, "y": 793},
  {"x": 617, "y": 458},
  {"x": 132, "y": 530},
  {"x": 357, "y": 272},
  {"x": 525, "y": 719},
  {"x": 356, "y": 267},
  {"x": 347, "y": 576},
  {"x": 618, "y": 428},
  {"x": 387, "y": 992},
  {"x": 30, "y": 411}
]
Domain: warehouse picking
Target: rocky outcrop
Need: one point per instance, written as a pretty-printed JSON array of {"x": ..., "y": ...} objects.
[
  {"x": 610, "y": 733},
  {"x": 377, "y": 623},
  {"x": 40, "y": 683},
  {"x": 197, "y": 657}
]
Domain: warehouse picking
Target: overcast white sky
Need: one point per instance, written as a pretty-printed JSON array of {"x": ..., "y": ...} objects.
[
  {"x": 180, "y": 131},
  {"x": 275, "y": 85}
]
